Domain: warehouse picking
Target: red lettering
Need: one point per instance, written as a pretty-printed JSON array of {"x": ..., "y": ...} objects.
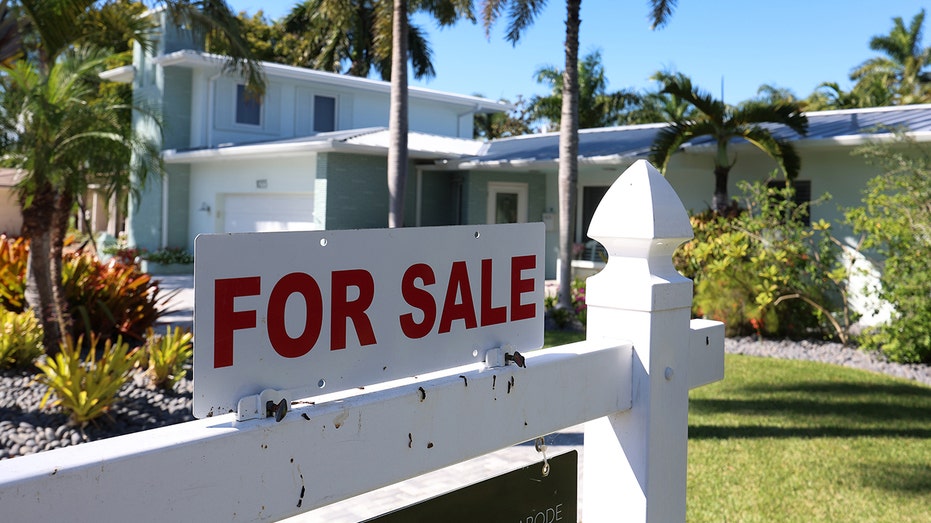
[
  {"x": 490, "y": 315},
  {"x": 303, "y": 284},
  {"x": 343, "y": 309},
  {"x": 458, "y": 286},
  {"x": 418, "y": 298},
  {"x": 226, "y": 320},
  {"x": 519, "y": 286}
]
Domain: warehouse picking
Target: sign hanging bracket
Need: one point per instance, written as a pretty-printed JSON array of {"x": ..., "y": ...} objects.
[{"x": 269, "y": 403}]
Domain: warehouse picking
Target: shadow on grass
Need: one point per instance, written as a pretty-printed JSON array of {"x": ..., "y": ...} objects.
[
  {"x": 853, "y": 411},
  {"x": 772, "y": 431},
  {"x": 900, "y": 477},
  {"x": 816, "y": 409}
]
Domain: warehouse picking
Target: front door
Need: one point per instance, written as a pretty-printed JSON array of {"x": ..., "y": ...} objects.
[{"x": 507, "y": 202}]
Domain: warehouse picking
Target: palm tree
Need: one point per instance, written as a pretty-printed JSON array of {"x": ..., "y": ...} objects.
[
  {"x": 54, "y": 117},
  {"x": 62, "y": 131},
  {"x": 597, "y": 107},
  {"x": 657, "y": 106},
  {"x": 904, "y": 68},
  {"x": 445, "y": 12},
  {"x": 724, "y": 123},
  {"x": 521, "y": 14},
  {"x": 870, "y": 91},
  {"x": 354, "y": 37}
]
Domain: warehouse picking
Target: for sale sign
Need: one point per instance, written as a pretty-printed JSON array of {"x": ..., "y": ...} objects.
[{"x": 324, "y": 311}]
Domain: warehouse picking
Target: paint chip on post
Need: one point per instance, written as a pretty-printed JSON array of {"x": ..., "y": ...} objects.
[{"x": 331, "y": 307}]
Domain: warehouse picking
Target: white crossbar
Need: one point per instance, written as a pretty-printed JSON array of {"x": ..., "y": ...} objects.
[{"x": 218, "y": 469}]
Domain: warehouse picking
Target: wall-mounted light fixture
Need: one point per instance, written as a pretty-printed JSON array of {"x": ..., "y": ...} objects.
[{"x": 204, "y": 207}]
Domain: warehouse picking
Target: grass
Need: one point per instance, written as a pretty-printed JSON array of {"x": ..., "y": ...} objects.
[
  {"x": 788, "y": 441},
  {"x": 792, "y": 441}
]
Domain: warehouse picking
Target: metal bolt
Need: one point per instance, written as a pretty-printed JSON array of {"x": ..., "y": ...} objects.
[
  {"x": 279, "y": 410},
  {"x": 668, "y": 374}
]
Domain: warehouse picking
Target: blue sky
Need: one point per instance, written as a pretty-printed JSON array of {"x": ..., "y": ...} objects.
[{"x": 740, "y": 44}]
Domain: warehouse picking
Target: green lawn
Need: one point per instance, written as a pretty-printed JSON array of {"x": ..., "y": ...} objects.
[
  {"x": 782, "y": 440},
  {"x": 791, "y": 441}
]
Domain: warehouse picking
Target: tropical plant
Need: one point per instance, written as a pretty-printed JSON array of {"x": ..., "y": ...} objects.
[
  {"x": 903, "y": 70},
  {"x": 87, "y": 387},
  {"x": 597, "y": 106},
  {"x": 63, "y": 129},
  {"x": 110, "y": 299},
  {"x": 764, "y": 271},
  {"x": 13, "y": 255},
  {"x": 66, "y": 136},
  {"x": 166, "y": 356},
  {"x": 724, "y": 123},
  {"x": 657, "y": 106},
  {"x": 20, "y": 339},
  {"x": 354, "y": 37},
  {"x": 896, "y": 220},
  {"x": 521, "y": 14},
  {"x": 516, "y": 122},
  {"x": 870, "y": 91}
]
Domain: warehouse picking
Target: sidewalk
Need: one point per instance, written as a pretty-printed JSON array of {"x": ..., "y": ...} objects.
[
  {"x": 180, "y": 312},
  {"x": 180, "y": 308}
]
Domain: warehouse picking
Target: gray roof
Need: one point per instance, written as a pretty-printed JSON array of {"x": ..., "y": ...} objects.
[
  {"x": 607, "y": 144},
  {"x": 634, "y": 141}
]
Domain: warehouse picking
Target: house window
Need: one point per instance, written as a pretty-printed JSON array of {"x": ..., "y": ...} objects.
[
  {"x": 324, "y": 114},
  {"x": 802, "y": 196},
  {"x": 248, "y": 107}
]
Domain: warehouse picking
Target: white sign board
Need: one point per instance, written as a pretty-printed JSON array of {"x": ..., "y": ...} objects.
[{"x": 325, "y": 311}]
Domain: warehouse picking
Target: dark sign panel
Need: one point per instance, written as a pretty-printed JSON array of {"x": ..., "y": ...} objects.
[{"x": 521, "y": 496}]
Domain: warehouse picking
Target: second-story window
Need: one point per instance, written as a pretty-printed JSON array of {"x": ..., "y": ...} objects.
[
  {"x": 248, "y": 107},
  {"x": 324, "y": 114}
]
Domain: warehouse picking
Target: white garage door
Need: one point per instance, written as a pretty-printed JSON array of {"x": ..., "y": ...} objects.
[{"x": 266, "y": 213}]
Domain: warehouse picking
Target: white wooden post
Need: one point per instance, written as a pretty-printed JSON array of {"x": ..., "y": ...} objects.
[{"x": 635, "y": 461}]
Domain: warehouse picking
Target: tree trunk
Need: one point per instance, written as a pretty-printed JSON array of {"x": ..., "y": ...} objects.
[
  {"x": 569, "y": 153},
  {"x": 63, "y": 206},
  {"x": 40, "y": 294},
  {"x": 720, "y": 201},
  {"x": 397, "y": 122}
]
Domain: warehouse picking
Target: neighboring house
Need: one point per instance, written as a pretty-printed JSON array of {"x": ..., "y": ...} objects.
[
  {"x": 312, "y": 154},
  {"x": 11, "y": 220}
]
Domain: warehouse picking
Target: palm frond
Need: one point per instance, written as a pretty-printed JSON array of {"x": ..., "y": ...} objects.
[
  {"x": 660, "y": 11},
  {"x": 521, "y": 16}
]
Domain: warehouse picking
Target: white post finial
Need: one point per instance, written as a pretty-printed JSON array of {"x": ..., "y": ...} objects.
[{"x": 635, "y": 461}]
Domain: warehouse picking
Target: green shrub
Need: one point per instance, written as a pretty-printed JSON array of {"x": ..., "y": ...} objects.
[
  {"x": 762, "y": 270},
  {"x": 169, "y": 255},
  {"x": 20, "y": 339},
  {"x": 131, "y": 255},
  {"x": 896, "y": 220},
  {"x": 85, "y": 388},
  {"x": 167, "y": 356}
]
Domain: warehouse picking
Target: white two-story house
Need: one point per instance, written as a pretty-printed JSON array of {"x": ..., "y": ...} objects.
[{"x": 310, "y": 153}]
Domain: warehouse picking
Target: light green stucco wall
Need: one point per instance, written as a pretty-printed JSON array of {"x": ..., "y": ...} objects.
[{"x": 355, "y": 188}]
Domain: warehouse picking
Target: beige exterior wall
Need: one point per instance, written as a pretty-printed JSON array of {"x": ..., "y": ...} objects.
[{"x": 10, "y": 219}]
